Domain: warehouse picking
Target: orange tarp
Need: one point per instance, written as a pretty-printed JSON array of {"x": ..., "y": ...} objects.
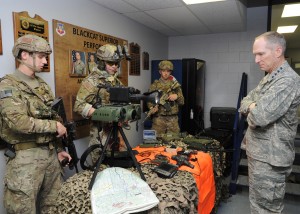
[{"x": 202, "y": 172}]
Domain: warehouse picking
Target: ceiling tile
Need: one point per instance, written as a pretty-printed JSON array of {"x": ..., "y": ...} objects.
[
  {"x": 117, "y": 5},
  {"x": 147, "y": 20},
  {"x": 173, "y": 17},
  {"x": 154, "y": 4},
  {"x": 218, "y": 13}
]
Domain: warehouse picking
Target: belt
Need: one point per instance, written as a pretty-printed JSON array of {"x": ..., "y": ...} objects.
[{"x": 30, "y": 145}]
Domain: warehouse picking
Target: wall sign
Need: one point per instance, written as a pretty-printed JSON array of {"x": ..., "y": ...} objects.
[
  {"x": 24, "y": 24},
  {"x": 74, "y": 58}
]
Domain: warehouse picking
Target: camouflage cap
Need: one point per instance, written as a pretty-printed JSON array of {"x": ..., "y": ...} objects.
[
  {"x": 31, "y": 43},
  {"x": 165, "y": 65},
  {"x": 108, "y": 52}
]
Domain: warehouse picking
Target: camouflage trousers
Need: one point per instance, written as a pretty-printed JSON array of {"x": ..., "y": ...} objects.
[
  {"x": 165, "y": 124},
  {"x": 32, "y": 181},
  {"x": 266, "y": 186}
]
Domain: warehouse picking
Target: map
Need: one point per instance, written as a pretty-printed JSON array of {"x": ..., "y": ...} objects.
[{"x": 118, "y": 190}]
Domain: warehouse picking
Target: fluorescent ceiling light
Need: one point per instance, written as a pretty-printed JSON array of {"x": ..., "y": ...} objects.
[
  {"x": 287, "y": 29},
  {"x": 200, "y": 1},
  {"x": 291, "y": 10}
]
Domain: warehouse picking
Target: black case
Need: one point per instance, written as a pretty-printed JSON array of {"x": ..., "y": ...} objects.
[{"x": 222, "y": 117}]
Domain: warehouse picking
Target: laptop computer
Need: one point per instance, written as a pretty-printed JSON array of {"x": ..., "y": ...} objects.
[{"x": 149, "y": 136}]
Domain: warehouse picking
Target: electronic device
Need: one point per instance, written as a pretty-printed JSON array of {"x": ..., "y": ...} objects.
[
  {"x": 166, "y": 170},
  {"x": 149, "y": 137}
]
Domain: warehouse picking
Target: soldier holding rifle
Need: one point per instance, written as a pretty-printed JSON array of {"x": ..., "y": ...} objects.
[{"x": 33, "y": 174}]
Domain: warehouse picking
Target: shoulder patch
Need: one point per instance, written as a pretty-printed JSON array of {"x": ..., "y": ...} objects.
[
  {"x": 88, "y": 85},
  {"x": 5, "y": 93}
]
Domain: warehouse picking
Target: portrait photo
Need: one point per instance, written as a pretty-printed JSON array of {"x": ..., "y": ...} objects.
[
  {"x": 78, "y": 64},
  {"x": 92, "y": 62}
]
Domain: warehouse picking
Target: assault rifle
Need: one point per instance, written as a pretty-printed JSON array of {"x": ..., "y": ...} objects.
[
  {"x": 163, "y": 100},
  {"x": 183, "y": 158},
  {"x": 67, "y": 141}
]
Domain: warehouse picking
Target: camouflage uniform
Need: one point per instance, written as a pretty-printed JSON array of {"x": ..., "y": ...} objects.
[
  {"x": 92, "y": 66},
  {"x": 87, "y": 98},
  {"x": 28, "y": 125},
  {"x": 166, "y": 118},
  {"x": 79, "y": 67},
  {"x": 26, "y": 118},
  {"x": 269, "y": 140}
]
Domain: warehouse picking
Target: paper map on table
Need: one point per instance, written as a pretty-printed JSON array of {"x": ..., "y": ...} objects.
[{"x": 117, "y": 190}]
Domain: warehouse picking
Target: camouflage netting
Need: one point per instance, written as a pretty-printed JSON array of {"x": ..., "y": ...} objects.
[
  {"x": 74, "y": 196},
  {"x": 178, "y": 195}
]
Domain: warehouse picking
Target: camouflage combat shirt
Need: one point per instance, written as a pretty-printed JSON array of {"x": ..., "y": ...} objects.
[
  {"x": 87, "y": 93},
  {"x": 273, "y": 122},
  {"x": 25, "y": 108},
  {"x": 79, "y": 67},
  {"x": 167, "y": 87}
]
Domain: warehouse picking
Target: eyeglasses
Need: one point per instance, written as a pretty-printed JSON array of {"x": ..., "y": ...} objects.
[{"x": 112, "y": 63}]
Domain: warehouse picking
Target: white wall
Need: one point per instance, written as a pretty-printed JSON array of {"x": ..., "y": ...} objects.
[
  {"x": 89, "y": 15},
  {"x": 227, "y": 56}
]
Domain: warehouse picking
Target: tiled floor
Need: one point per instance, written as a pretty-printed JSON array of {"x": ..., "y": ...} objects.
[{"x": 239, "y": 203}]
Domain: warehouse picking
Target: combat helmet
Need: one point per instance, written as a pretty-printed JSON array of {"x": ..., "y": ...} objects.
[
  {"x": 165, "y": 65},
  {"x": 108, "y": 52},
  {"x": 32, "y": 44}
]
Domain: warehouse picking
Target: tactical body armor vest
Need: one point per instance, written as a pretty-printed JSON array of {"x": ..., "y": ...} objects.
[
  {"x": 38, "y": 106},
  {"x": 167, "y": 107}
]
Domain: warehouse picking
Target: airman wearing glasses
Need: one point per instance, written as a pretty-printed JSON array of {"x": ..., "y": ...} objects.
[{"x": 90, "y": 96}]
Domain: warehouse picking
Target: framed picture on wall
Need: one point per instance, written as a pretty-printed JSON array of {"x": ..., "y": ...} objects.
[
  {"x": 92, "y": 62},
  {"x": 78, "y": 64}
]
